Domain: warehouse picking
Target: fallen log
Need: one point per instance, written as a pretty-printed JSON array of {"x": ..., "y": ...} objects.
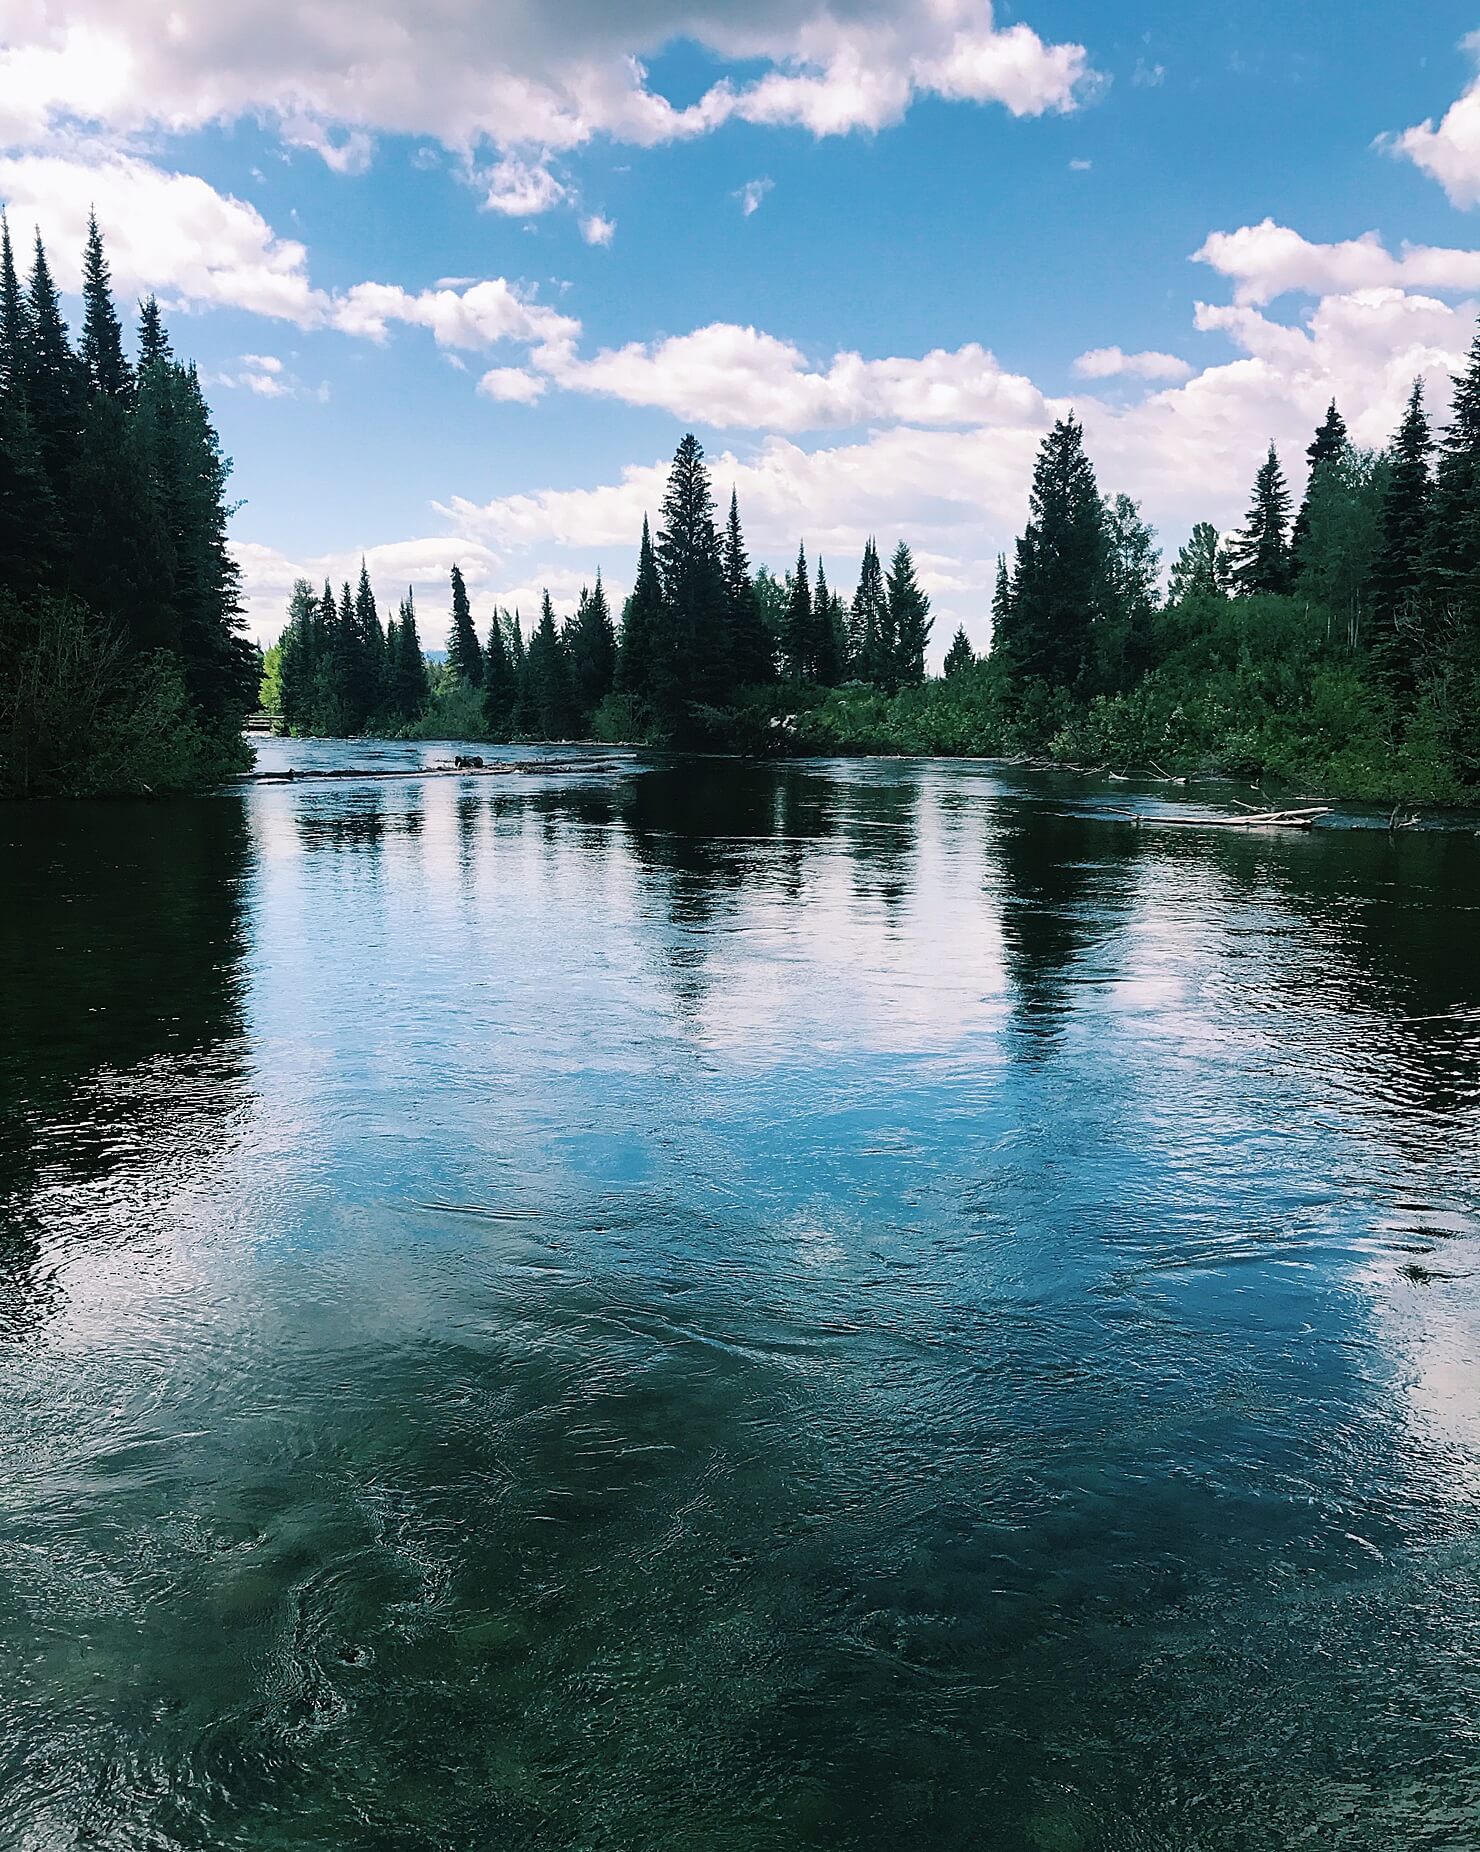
[
  {"x": 315, "y": 775},
  {"x": 1300, "y": 819}
]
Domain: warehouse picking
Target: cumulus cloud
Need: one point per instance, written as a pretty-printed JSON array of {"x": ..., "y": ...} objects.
[
  {"x": 512, "y": 385},
  {"x": 516, "y": 75},
  {"x": 1108, "y": 362},
  {"x": 730, "y": 376},
  {"x": 520, "y": 189},
  {"x": 1448, "y": 151},
  {"x": 1269, "y": 260},
  {"x": 598, "y": 230}
]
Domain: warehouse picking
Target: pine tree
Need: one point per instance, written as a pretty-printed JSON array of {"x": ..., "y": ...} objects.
[
  {"x": 1330, "y": 439},
  {"x": 464, "y": 655},
  {"x": 298, "y": 664},
  {"x": 1058, "y": 585},
  {"x": 1397, "y": 571},
  {"x": 1132, "y": 572},
  {"x": 32, "y": 548},
  {"x": 154, "y": 343},
  {"x": 909, "y": 617},
  {"x": 694, "y": 655},
  {"x": 1001, "y": 599},
  {"x": 373, "y": 643},
  {"x": 960, "y": 656},
  {"x": 1451, "y": 575},
  {"x": 590, "y": 640},
  {"x": 871, "y": 627},
  {"x": 500, "y": 681},
  {"x": 751, "y": 645},
  {"x": 103, "y": 363},
  {"x": 800, "y": 663},
  {"x": 1261, "y": 553}
]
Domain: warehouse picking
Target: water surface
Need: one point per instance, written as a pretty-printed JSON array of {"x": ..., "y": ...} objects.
[{"x": 691, "y": 1304}]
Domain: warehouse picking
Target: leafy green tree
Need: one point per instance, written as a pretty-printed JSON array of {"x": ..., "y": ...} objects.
[
  {"x": 1342, "y": 535},
  {"x": 909, "y": 619},
  {"x": 960, "y": 656},
  {"x": 464, "y": 655},
  {"x": 1058, "y": 587},
  {"x": 1132, "y": 573},
  {"x": 1397, "y": 569},
  {"x": 771, "y": 599},
  {"x": 1200, "y": 569},
  {"x": 1329, "y": 441},
  {"x": 1261, "y": 553}
]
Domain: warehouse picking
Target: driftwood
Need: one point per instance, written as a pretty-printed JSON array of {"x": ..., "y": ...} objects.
[
  {"x": 1302, "y": 819},
  {"x": 296, "y": 775}
]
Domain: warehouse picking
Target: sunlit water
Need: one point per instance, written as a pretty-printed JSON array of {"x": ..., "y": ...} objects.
[{"x": 715, "y": 1306}]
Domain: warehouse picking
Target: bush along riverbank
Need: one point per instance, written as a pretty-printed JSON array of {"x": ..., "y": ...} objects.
[{"x": 123, "y": 667}]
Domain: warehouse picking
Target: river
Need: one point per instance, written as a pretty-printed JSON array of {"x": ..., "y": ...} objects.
[{"x": 687, "y": 1304}]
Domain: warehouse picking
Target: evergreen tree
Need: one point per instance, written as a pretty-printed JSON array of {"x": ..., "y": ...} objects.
[
  {"x": 549, "y": 678},
  {"x": 751, "y": 644},
  {"x": 1200, "y": 568},
  {"x": 154, "y": 343},
  {"x": 1397, "y": 570},
  {"x": 410, "y": 665},
  {"x": 14, "y": 325},
  {"x": 51, "y": 378},
  {"x": 373, "y": 643},
  {"x": 640, "y": 651},
  {"x": 464, "y": 656},
  {"x": 800, "y": 662},
  {"x": 1058, "y": 587},
  {"x": 872, "y": 634},
  {"x": 1261, "y": 553},
  {"x": 694, "y": 652},
  {"x": 1329, "y": 441},
  {"x": 1451, "y": 576},
  {"x": 298, "y": 664},
  {"x": 500, "y": 681},
  {"x": 909, "y": 619},
  {"x": 31, "y": 542},
  {"x": 1343, "y": 532},
  {"x": 349, "y": 668},
  {"x": 960, "y": 656},
  {"x": 103, "y": 363},
  {"x": 826, "y": 661},
  {"x": 524, "y": 716},
  {"x": 1001, "y": 596},
  {"x": 591, "y": 651}
]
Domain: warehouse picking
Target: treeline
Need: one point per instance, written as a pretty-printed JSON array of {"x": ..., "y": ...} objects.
[
  {"x": 1338, "y": 649},
  {"x": 122, "y": 663},
  {"x": 707, "y": 652}
]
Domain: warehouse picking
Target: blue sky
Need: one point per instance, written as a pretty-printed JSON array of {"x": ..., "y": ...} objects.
[{"x": 457, "y": 288}]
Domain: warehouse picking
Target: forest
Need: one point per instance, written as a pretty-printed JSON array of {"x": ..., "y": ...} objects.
[
  {"x": 1331, "y": 646},
  {"x": 123, "y": 663}
]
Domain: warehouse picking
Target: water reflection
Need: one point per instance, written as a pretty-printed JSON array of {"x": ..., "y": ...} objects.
[{"x": 764, "y": 1306}]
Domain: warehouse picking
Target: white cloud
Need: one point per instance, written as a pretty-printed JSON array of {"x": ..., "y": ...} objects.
[
  {"x": 1450, "y": 152},
  {"x": 520, "y": 189},
  {"x": 512, "y": 385},
  {"x": 597, "y": 230},
  {"x": 1269, "y": 260},
  {"x": 751, "y": 195},
  {"x": 1108, "y": 362},
  {"x": 729, "y": 376},
  {"x": 1080, "y": 166},
  {"x": 479, "y": 316},
  {"x": 516, "y": 75},
  {"x": 266, "y": 376}
]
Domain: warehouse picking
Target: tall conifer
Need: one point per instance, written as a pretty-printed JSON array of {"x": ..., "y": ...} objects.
[{"x": 464, "y": 654}]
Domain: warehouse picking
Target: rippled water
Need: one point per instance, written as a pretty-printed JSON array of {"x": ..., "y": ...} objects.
[{"x": 701, "y": 1305}]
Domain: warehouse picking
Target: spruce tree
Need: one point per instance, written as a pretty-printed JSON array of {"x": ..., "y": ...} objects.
[
  {"x": 909, "y": 617},
  {"x": 410, "y": 665},
  {"x": 751, "y": 644},
  {"x": 1451, "y": 574},
  {"x": 464, "y": 655},
  {"x": 639, "y": 668},
  {"x": 298, "y": 664},
  {"x": 500, "y": 681},
  {"x": 52, "y": 379},
  {"x": 1058, "y": 586},
  {"x": 694, "y": 654},
  {"x": 373, "y": 643},
  {"x": 800, "y": 662},
  {"x": 872, "y": 635},
  {"x": 826, "y": 663},
  {"x": 1001, "y": 600},
  {"x": 549, "y": 678},
  {"x": 1132, "y": 573},
  {"x": 960, "y": 656},
  {"x": 1397, "y": 571},
  {"x": 591, "y": 650},
  {"x": 1261, "y": 553},
  {"x": 103, "y": 362},
  {"x": 1330, "y": 439},
  {"x": 1200, "y": 568},
  {"x": 154, "y": 342},
  {"x": 14, "y": 323}
]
